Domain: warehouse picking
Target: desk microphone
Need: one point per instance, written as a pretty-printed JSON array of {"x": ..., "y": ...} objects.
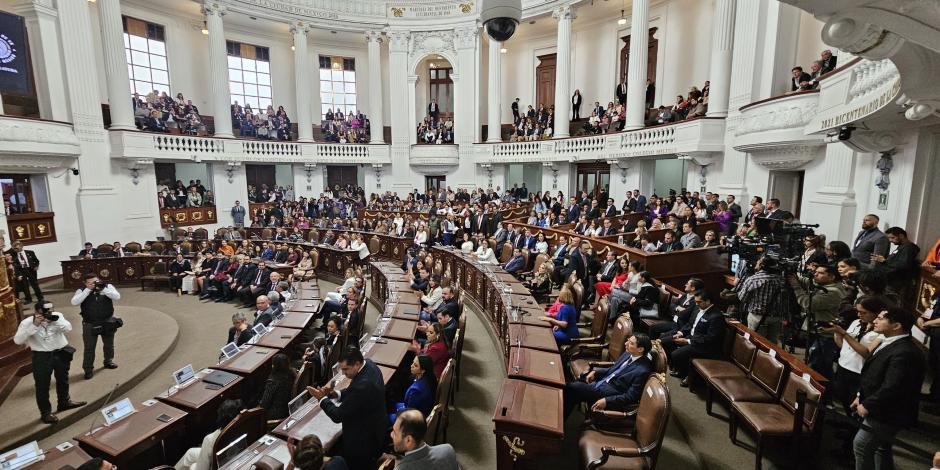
[{"x": 106, "y": 401}]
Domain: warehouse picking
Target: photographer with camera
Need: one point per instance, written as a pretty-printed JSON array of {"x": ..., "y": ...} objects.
[
  {"x": 44, "y": 333},
  {"x": 820, "y": 298},
  {"x": 98, "y": 319},
  {"x": 764, "y": 299}
]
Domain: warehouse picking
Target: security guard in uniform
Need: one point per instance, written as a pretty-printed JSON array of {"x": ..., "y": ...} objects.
[
  {"x": 44, "y": 333},
  {"x": 98, "y": 319}
]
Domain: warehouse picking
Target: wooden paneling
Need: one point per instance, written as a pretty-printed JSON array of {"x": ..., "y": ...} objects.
[
  {"x": 544, "y": 82},
  {"x": 32, "y": 228},
  {"x": 188, "y": 216}
]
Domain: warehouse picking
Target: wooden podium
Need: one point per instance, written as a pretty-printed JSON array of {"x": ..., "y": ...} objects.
[{"x": 15, "y": 361}]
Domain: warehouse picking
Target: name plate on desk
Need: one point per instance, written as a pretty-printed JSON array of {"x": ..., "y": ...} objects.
[
  {"x": 118, "y": 411},
  {"x": 21, "y": 456}
]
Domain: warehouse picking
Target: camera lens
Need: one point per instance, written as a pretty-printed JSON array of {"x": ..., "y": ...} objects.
[{"x": 501, "y": 29}]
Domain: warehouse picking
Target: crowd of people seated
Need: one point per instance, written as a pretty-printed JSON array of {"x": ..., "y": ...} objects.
[
  {"x": 158, "y": 112},
  {"x": 802, "y": 80},
  {"x": 435, "y": 131},
  {"x": 173, "y": 195},
  {"x": 533, "y": 124},
  {"x": 268, "y": 124},
  {"x": 349, "y": 128}
]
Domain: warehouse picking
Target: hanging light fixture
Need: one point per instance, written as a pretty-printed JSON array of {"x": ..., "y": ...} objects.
[
  {"x": 622, "y": 21},
  {"x": 205, "y": 29}
]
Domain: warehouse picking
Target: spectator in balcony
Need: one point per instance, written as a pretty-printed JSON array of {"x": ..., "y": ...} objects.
[
  {"x": 433, "y": 110},
  {"x": 193, "y": 199},
  {"x": 664, "y": 116},
  {"x": 515, "y": 111},
  {"x": 828, "y": 61},
  {"x": 620, "y": 93},
  {"x": 816, "y": 72},
  {"x": 576, "y": 105},
  {"x": 598, "y": 109},
  {"x": 650, "y": 93},
  {"x": 696, "y": 109},
  {"x": 799, "y": 77},
  {"x": 282, "y": 124},
  {"x": 154, "y": 123},
  {"x": 681, "y": 108}
]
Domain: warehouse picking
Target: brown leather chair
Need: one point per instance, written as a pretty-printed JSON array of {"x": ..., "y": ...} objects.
[
  {"x": 187, "y": 245},
  {"x": 249, "y": 422},
  {"x": 157, "y": 275},
  {"x": 777, "y": 419},
  {"x": 374, "y": 245},
  {"x": 443, "y": 395},
  {"x": 584, "y": 357},
  {"x": 313, "y": 236},
  {"x": 492, "y": 243},
  {"x": 133, "y": 247},
  {"x": 243, "y": 232},
  {"x": 761, "y": 385},
  {"x": 105, "y": 249},
  {"x": 742, "y": 358},
  {"x": 220, "y": 233},
  {"x": 266, "y": 234},
  {"x": 539, "y": 259},
  {"x": 598, "y": 325},
  {"x": 314, "y": 261},
  {"x": 578, "y": 290},
  {"x": 201, "y": 234},
  {"x": 604, "y": 449},
  {"x": 458, "y": 346},
  {"x": 179, "y": 234},
  {"x": 303, "y": 379},
  {"x": 506, "y": 253},
  {"x": 665, "y": 301},
  {"x": 158, "y": 247},
  {"x": 434, "y": 423},
  {"x": 659, "y": 358}
]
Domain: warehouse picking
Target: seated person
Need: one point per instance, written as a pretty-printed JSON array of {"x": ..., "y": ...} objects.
[
  {"x": 350, "y": 281},
  {"x": 317, "y": 351},
  {"x": 702, "y": 337},
  {"x": 264, "y": 314},
  {"x": 448, "y": 303},
  {"x": 669, "y": 243},
  {"x": 516, "y": 264},
  {"x": 421, "y": 394},
  {"x": 565, "y": 323},
  {"x": 408, "y": 433},
  {"x": 239, "y": 333},
  {"x": 617, "y": 386},
  {"x": 437, "y": 347},
  {"x": 308, "y": 454},
  {"x": 353, "y": 316},
  {"x": 278, "y": 388},
  {"x": 680, "y": 314},
  {"x": 275, "y": 303},
  {"x": 645, "y": 304},
  {"x": 200, "y": 458},
  {"x": 541, "y": 283}
]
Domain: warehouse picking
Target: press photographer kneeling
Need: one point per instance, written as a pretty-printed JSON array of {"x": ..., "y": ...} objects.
[
  {"x": 44, "y": 333},
  {"x": 98, "y": 319}
]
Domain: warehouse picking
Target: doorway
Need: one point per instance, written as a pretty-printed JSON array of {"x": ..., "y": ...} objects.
[
  {"x": 652, "y": 51},
  {"x": 788, "y": 187},
  {"x": 544, "y": 82},
  {"x": 342, "y": 176},
  {"x": 435, "y": 183},
  {"x": 593, "y": 178}
]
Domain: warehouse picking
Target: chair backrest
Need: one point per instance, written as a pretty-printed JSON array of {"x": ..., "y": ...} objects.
[
  {"x": 313, "y": 235},
  {"x": 578, "y": 290},
  {"x": 201, "y": 234},
  {"x": 456, "y": 347},
  {"x": 541, "y": 258},
  {"x": 652, "y": 417},
  {"x": 186, "y": 244},
  {"x": 443, "y": 385},
  {"x": 105, "y": 248},
  {"x": 599, "y": 322},
  {"x": 374, "y": 244},
  {"x": 492, "y": 243},
  {"x": 249, "y": 422},
  {"x": 572, "y": 279},
  {"x": 665, "y": 301},
  {"x": 433, "y": 422},
  {"x": 303, "y": 379},
  {"x": 462, "y": 319},
  {"x": 243, "y": 233},
  {"x": 743, "y": 352},
  {"x": 133, "y": 247},
  {"x": 788, "y": 398},
  {"x": 506, "y": 253},
  {"x": 768, "y": 372},
  {"x": 267, "y": 233},
  {"x": 179, "y": 233},
  {"x": 525, "y": 258},
  {"x": 159, "y": 267},
  {"x": 623, "y": 329},
  {"x": 660, "y": 359},
  {"x": 314, "y": 259},
  {"x": 158, "y": 247}
]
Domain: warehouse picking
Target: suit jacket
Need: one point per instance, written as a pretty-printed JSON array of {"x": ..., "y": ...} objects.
[
  {"x": 627, "y": 386},
  {"x": 707, "y": 340},
  {"x": 735, "y": 211},
  {"x": 676, "y": 245},
  {"x": 630, "y": 204},
  {"x": 899, "y": 267},
  {"x": 869, "y": 242},
  {"x": 501, "y": 236},
  {"x": 573, "y": 213},
  {"x": 242, "y": 338},
  {"x": 93, "y": 252},
  {"x": 608, "y": 231},
  {"x": 30, "y": 258},
  {"x": 795, "y": 83},
  {"x": 261, "y": 281},
  {"x": 608, "y": 271},
  {"x": 177, "y": 268},
  {"x": 265, "y": 318},
  {"x": 610, "y": 212},
  {"x": 828, "y": 65},
  {"x": 621, "y": 92},
  {"x": 594, "y": 212},
  {"x": 641, "y": 203},
  {"x": 514, "y": 265},
  {"x": 890, "y": 383},
  {"x": 777, "y": 214},
  {"x": 558, "y": 256},
  {"x": 362, "y": 414},
  {"x": 575, "y": 265},
  {"x": 440, "y": 457}
]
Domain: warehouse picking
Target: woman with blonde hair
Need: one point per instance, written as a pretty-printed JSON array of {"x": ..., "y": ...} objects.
[{"x": 565, "y": 323}]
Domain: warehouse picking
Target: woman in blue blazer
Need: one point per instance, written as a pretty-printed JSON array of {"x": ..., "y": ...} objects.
[
  {"x": 565, "y": 323},
  {"x": 421, "y": 394}
]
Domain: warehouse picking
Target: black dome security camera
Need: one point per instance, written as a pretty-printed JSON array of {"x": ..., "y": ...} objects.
[
  {"x": 500, "y": 17},
  {"x": 500, "y": 29}
]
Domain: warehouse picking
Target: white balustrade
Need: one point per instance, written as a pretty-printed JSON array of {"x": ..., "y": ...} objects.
[
  {"x": 272, "y": 148},
  {"x": 188, "y": 144},
  {"x": 594, "y": 143},
  {"x": 869, "y": 76}
]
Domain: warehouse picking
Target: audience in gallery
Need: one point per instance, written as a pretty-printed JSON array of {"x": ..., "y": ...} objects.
[
  {"x": 348, "y": 128},
  {"x": 158, "y": 112},
  {"x": 176, "y": 195},
  {"x": 268, "y": 125},
  {"x": 803, "y": 81},
  {"x": 432, "y": 130}
]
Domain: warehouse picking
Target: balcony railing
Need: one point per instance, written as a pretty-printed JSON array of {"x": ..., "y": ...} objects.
[
  {"x": 777, "y": 122},
  {"x": 434, "y": 155},
  {"x": 855, "y": 93},
  {"x": 28, "y": 137}
]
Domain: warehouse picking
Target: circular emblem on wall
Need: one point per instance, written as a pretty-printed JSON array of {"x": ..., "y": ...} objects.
[
  {"x": 76, "y": 274},
  {"x": 104, "y": 273},
  {"x": 7, "y": 50},
  {"x": 339, "y": 265},
  {"x": 129, "y": 271}
]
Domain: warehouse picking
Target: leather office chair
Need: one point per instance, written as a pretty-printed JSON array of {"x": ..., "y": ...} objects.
[
  {"x": 598, "y": 326},
  {"x": 742, "y": 358},
  {"x": 761, "y": 385},
  {"x": 314, "y": 262},
  {"x": 156, "y": 276},
  {"x": 201, "y": 234},
  {"x": 584, "y": 357},
  {"x": 179, "y": 234},
  {"x": 434, "y": 423},
  {"x": 313, "y": 236},
  {"x": 267, "y": 234},
  {"x": 603, "y": 449},
  {"x": 505, "y": 253},
  {"x": 158, "y": 247},
  {"x": 443, "y": 395},
  {"x": 455, "y": 351},
  {"x": 133, "y": 247},
  {"x": 105, "y": 249},
  {"x": 375, "y": 245},
  {"x": 188, "y": 246}
]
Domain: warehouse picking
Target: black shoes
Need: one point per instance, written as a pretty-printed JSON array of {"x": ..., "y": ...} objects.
[
  {"x": 89, "y": 374},
  {"x": 110, "y": 365},
  {"x": 48, "y": 418},
  {"x": 684, "y": 383},
  {"x": 70, "y": 405}
]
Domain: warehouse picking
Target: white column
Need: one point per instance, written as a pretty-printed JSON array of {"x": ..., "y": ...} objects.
[
  {"x": 115, "y": 65},
  {"x": 302, "y": 82},
  {"x": 400, "y": 88},
  {"x": 218, "y": 69},
  {"x": 41, "y": 17},
  {"x": 720, "y": 72},
  {"x": 374, "y": 42},
  {"x": 636, "y": 68},
  {"x": 564, "y": 15},
  {"x": 492, "y": 94}
]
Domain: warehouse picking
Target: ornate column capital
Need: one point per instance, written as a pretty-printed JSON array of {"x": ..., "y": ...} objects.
[
  {"x": 299, "y": 27},
  {"x": 564, "y": 12},
  {"x": 398, "y": 40},
  {"x": 214, "y": 7},
  {"x": 861, "y": 38},
  {"x": 375, "y": 36},
  {"x": 466, "y": 37}
]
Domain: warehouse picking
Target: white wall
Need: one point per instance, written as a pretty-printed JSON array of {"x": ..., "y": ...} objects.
[{"x": 193, "y": 171}]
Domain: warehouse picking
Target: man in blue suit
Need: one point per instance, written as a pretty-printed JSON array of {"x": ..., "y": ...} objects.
[
  {"x": 573, "y": 210},
  {"x": 617, "y": 386},
  {"x": 516, "y": 263}
]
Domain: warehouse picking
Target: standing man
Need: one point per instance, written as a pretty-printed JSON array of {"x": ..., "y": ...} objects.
[
  {"x": 26, "y": 265},
  {"x": 900, "y": 266},
  {"x": 889, "y": 392},
  {"x": 515, "y": 111},
  {"x": 44, "y": 333},
  {"x": 734, "y": 208},
  {"x": 97, "y": 303},
  {"x": 238, "y": 214},
  {"x": 869, "y": 241},
  {"x": 621, "y": 93},
  {"x": 433, "y": 110},
  {"x": 361, "y": 410}
]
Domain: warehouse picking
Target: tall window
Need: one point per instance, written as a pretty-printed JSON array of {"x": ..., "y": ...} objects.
[
  {"x": 249, "y": 74},
  {"x": 145, "y": 48},
  {"x": 441, "y": 88},
  {"x": 337, "y": 85}
]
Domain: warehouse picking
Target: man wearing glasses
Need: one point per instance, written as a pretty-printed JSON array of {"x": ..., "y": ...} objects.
[{"x": 819, "y": 298}]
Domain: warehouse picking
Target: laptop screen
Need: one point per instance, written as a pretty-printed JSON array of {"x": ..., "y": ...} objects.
[
  {"x": 232, "y": 450},
  {"x": 230, "y": 350},
  {"x": 297, "y": 402},
  {"x": 184, "y": 374}
]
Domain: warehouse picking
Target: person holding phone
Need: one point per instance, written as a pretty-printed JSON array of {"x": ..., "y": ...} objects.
[{"x": 44, "y": 333}]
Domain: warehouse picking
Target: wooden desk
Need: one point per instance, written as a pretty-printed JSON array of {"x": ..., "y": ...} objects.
[
  {"x": 406, "y": 311},
  {"x": 267, "y": 445},
  {"x": 57, "y": 459},
  {"x": 293, "y": 319},
  {"x": 401, "y": 329},
  {"x": 249, "y": 361},
  {"x": 131, "y": 436},
  {"x": 279, "y": 338},
  {"x": 536, "y": 366},
  {"x": 306, "y": 306},
  {"x": 390, "y": 352},
  {"x": 200, "y": 403},
  {"x": 531, "y": 337},
  {"x": 529, "y": 423},
  {"x": 308, "y": 295}
]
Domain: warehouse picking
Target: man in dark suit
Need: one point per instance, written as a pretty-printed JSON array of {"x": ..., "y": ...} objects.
[
  {"x": 249, "y": 292},
  {"x": 242, "y": 276},
  {"x": 515, "y": 264},
  {"x": 621, "y": 93},
  {"x": 26, "y": 265},
  {"x": 611, "y": 210},
  {"x": 408, "y": 434},
  {"x": 361, "y": 410},
  {"x": 595, "y": 210},
  {"x": 573, "y": 210},
  {"x": 608, "y": 228},
  {"x": 89, "y": 251},
  {"x": 799, "y": 77},
  {"x": 264, "y": 314},
  {"x": 650, "y": 94},
  {"x": 900, "y": 266},
  {"x": 734, "y": 208},
  {"x": 828, "y": 61},
  {"x": 889, "y": 392},
  {"x": 617, "y": 386},
  {"x": 433, "y": 110},
  {"x": 702, "y": 337},
  {"x": 577, "y": 262},
  {"x": 870, "y": 241},
  {"x": 669, "y": 243},
  {"x": 683, "y": 311},
  {"x": 773, "y": 209},
  {"x": 515, "y": 111}
]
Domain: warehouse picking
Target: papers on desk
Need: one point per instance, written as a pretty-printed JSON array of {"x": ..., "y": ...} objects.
[
  {"x": 117, "y": 411},
  {"x": 21, "y": 456}
]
